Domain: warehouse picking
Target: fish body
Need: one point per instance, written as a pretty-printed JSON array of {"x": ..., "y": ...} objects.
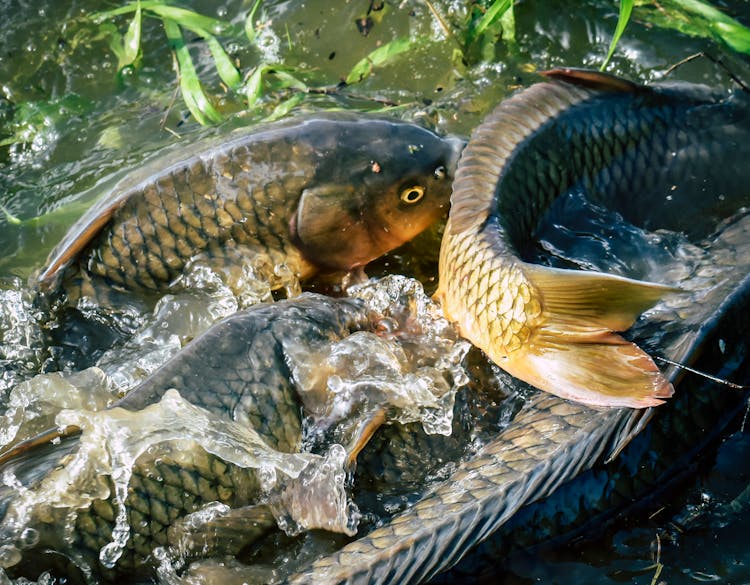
[
  {"x": 675, "y": 442},
  {"x": 612, "y": 140},
  {"x": 325, "y": 192},
  {"x": 561, "y": 466},
  {"x": 238, "y": 371}
]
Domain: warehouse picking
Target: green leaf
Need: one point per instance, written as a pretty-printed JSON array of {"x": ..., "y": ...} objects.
[
  {"x": 131, "y": 42},
  {"x": 254, "y": 85},
  {"x": 182, "y": 16},
  {"x": 249, "y": 26},
  {"x": 724, "y": 28},
  {"x": 286, "y": 79},
  {"x": 494, "y": 20},
  {"x": 626, "y": 8},
  {"x": 224, "y": 66},
  {"x": 285, "y": 107},
  {"x": 9, "y": 217},
  {"x": 190, "y": 86},
  {"x": 508, "y": 24},
  {"x": 380, "y": 56},
  {"x": 493, "y": 14}
]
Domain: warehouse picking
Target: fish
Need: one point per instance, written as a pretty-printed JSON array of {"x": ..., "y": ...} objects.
[
  {"x": 326, "y": 192},
  {"x": 238, "y": 371},
  {"x": 602, "y": 136},
  {"x": 678, "y": 439},
  {"x": 561, "y": 465}
]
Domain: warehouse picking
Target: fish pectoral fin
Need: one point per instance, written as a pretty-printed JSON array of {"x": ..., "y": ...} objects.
[
  {"x": 226, "y": 534},
  {"x": 574, "y": 352}
]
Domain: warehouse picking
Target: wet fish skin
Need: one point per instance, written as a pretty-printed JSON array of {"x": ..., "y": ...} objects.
[
  {"x": 553, "y": 441},
  {"x": 586, "y": 132},
  {"x": 330, "y": 191},
  {"x": 238, "y": 369},
  {"x": 700, "y": 413}
]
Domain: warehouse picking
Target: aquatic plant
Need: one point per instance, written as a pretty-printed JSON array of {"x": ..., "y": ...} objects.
[
  {"x": 691, "y": 17},
  {"x": 473, "y": 40}
]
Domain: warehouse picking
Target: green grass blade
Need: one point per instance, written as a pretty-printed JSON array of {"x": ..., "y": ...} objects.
[
  {"x": 190, "y": 86},
  {"x": 192, "y": 20},
  {"x": 182, "y": 16},
  {"x": 9, "y": 217},
  {"x": 493, "y": 14},
  {"x": 284, "y": 80},
  {"x": 726, "y": 28},
  {"x": 487, "y": 22},
  {"x": 285, "y": 107},
  {"x": 380, "y": 56},
  {"x": 626, "y": 9},
  {"x": 249, "y": 24},
  {"x": 224, "y": 66},
  {"x": 131, "y": 42},
  {"x": 287, "y": 80},
  {"x": 508, "y": 23},
  {"x": 254, "y": 85}
]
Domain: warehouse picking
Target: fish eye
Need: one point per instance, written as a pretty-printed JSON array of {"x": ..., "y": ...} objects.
[
  {"x": 439, "y": 173},
  {"x": 412, "y": 195}
]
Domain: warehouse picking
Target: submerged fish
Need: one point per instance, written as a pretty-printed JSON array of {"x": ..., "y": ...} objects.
[
  {"x": 328, "y": 192},
  {"x": 238, "y": 371},
  {"x": 605, "y": 137}
]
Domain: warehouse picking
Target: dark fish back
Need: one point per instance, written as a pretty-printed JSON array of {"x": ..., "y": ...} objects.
[
  {"x": 240, "y": 193},
  {"x": 649, "y": 152},
  {"x": 238, "y": 370}
]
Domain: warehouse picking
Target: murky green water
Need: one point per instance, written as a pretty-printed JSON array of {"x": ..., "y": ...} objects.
[{"x": 82, "y": 123}]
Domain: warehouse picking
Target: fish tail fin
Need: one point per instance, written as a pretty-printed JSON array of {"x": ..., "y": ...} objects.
[{"x": 575, "y": 352}]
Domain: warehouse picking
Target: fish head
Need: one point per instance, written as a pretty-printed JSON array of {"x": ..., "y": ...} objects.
[{"x": 389, "y": 187}]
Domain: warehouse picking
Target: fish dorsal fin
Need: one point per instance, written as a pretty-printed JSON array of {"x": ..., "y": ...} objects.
[
  {"x": 43, "y": 438},
  {"x": 494, "y": 140},
  {"x": 595, "y": 80},
  {"x": 86, "y": 229}
]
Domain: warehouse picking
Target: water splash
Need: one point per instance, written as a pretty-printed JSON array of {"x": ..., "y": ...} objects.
[
  {"x": 21, "y": 337},
  {"x": 33, "y": 405},
  {"x": 113, "y": 440},
  {"x": 209, "y": 295},
  {"x": 407, "y": 372}
]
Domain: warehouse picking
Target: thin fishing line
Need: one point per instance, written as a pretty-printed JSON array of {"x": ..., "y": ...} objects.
[
  {"x": 703, "y": 374},
  {"x": 716, "y": 61}
]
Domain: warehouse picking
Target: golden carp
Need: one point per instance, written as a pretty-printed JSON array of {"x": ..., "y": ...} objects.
[{"x": 578, "y": 132}]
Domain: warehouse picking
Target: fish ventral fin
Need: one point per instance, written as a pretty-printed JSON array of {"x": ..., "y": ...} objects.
[
  {"x": 575, "y": 353},
  {"x": 590, "y": 79}
]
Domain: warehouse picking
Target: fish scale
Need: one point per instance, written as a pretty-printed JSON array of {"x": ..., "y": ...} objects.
[
  {"x": 553, "y": 328},
  {"x": 238, "y": 370},
  {"x": 153, "y": 505},
  {"x": 285, "y": 190}
]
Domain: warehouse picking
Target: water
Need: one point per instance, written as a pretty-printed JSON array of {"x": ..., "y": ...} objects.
[{"x": 82, "y": 124}]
